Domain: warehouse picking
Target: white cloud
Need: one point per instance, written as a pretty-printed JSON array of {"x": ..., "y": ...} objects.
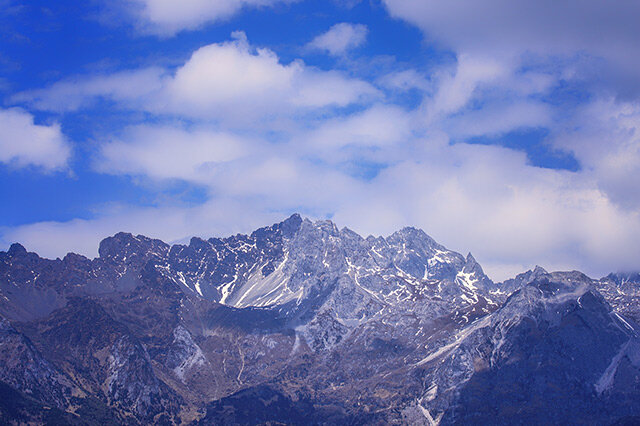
[
  {"x": 455, "y": 89},
  {"x": 165, "y": 152},
  {"x": 405, "y": 80},
  {"x": 604, "y": 136},
  {"x": 503, "y": 29},
  {"x": 167, "y": 17},
  {"x": 231, "y": 79},
  {"x": 340, "y": 38},
  {"x": 482, "y": 96},
  {"x": 24, "y": 143},
  {"x": 74, "y": 94},
  {"x": 495, "y": 120},
  {"x": 505, "y": 26},
  {"x": 239, "y": 164},
  {"x": 228, "y": 81},
  {"x": 378, "y": 126},
  {"x": 507, "y": 64}
]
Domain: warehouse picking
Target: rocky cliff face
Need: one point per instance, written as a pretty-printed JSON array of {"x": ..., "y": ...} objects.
[{"x": 302, "y": 322}]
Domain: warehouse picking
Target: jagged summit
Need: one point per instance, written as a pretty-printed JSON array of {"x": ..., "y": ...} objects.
[
  {"x": 16, "y": 249},
  {"x": 622, "y": 278},
  {"x": 539, "y": 270},
  {"x": 123, "y": 246},
  {"x": 300, "y": 266},
  {"x": 295, "y": 261}
]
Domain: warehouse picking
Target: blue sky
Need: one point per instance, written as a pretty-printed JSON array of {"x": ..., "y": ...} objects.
[{"x": 507, "y": 128}]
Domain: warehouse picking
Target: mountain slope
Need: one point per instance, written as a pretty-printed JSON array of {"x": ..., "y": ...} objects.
[
  {"x": 555, "y": 352},
  {"x": 302, "y": 321}
]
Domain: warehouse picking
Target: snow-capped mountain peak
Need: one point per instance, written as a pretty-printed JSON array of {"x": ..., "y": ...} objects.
[{"x": 298, "y": 259}]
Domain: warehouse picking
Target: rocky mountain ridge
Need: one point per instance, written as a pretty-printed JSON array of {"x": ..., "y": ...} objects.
[{"x": 302, "y": 322}]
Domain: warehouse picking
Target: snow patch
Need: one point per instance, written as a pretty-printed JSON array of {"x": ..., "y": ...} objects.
[
  {"x": 465, "y": 279},
  {"x": 459, "y": 338},
  {"x": 606, "y": 380},
  {"x": 428, "y": 416},
  {"x": 194, "y": 356},
  {"x": 623, "y": 321}
]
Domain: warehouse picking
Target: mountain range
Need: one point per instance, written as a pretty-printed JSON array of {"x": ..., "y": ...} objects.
[{"x": 304, "y": 323}]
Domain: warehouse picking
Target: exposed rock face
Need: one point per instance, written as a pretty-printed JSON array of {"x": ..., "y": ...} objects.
[
  {"x": 303, "y": 322},
  {"x": 550, "y": 354},
  {"x": 23, "y": 367},
  {"x": 622, "y": 291}
]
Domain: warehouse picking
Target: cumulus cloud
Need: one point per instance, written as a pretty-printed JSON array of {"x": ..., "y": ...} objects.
[
  {"x": 220, "y": 77},
  {"x": 24, "y": 143},
  {"x": 378, "y": 126},
  {"x": 167, "y": 17},
  {"x": 239, "y": 164},
  {"x": 499, "y": 119},
  {"x": 588, "y": 43},
  {"x": 504, "y": 29},
  {"x": 340, "y": 38},
  {"x": 405, "y": 80},
  {"x": 230, "y": 81},
  {"x": 503, "y": 74},
  {"x": 456, "y": 89},
  {"x": 545, "y": 26},
  {"x": 604, "y": 136},
  {"x": 166, "y": 152},
  {"x": 80, "y": 92}
]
